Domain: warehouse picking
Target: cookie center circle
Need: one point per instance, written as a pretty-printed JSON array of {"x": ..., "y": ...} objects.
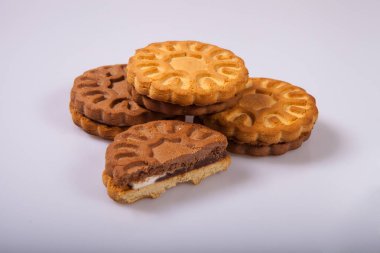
[
  {"x": 256, "y": 102},
  {"x": 168, "y": 150},
  {"x": 188, "y": 64}
]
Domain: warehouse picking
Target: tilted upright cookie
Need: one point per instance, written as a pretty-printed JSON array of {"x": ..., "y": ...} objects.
[
  {"x": 101, "y": 103},
  {"x": 186, "y": 77},
  {"x": 147, "y": 159},
  {"x": 271, "y": 118}
]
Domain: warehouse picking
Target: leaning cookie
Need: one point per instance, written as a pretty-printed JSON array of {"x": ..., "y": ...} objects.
[
  {"x": 186, "y": 77},
  {"x": 271, "y": 118},
  {"x": 147, "y": 159},
  {"x": 101, "y": 102}
]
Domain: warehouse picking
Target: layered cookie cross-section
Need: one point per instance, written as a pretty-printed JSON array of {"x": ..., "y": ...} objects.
[
  {"x": 147, "y": 159},
  {"x": 101, "y": 102},
  {"x": 186, "y": 77},
  {"x": 271, "y": 118}
]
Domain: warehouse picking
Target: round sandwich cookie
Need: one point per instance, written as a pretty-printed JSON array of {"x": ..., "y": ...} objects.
[
  {"x": 186, "y": 77},
  {"x": 95, "y": 128},
  {"x": 147, "y": 159},
  {"x": 271, "y": 118},
  {"x": 101, "y": 103}
]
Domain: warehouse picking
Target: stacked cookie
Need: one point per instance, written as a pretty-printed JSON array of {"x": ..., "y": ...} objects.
[
  {"x": 186, "y": 78},
  {"x": 135, "y": 105},
  {"x": 271, "y": 118},
  {"x": 102, "y": 105}
]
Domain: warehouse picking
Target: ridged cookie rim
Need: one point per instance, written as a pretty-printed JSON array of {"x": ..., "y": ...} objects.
[
  {"x": 131, "y": 155},
  {"x": 109, "y": 116},
  {"x": 267, "y": 150},
  {"x": 261, "y": 134},
  {"x": 94, "y": 128},
  {"x": 173, "y": 109},
  {"x": 157, "y": 91}
]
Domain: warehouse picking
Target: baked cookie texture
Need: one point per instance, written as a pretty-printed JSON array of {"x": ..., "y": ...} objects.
[
  {"x": 264, "y": 150},
  {"x": 149, "y": 158},
  {"x": 94, "y": 128},
  {"x": 187, "y": 73},
  {"x": 101, "y": 130},
  {"x": 271, "y": 118},
  {"x": 173, "y": 109},
  {"x": 102, "y": 95},
  {"x": 128, "y": 196}
]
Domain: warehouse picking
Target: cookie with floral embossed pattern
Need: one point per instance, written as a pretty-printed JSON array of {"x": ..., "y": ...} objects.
[
  {"x": 101, "y": 102},
  {"x": 186, "y": 77},
  {"x": 271, "y": 118},
  {"x": 149, "y": 158}
]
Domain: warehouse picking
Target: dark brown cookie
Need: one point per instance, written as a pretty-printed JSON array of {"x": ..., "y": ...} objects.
[
  {"x": 265, "y": 150},
  {"x": 149, "y": 158},
  {"x": 92, "y": 127},
  {"x": 98, "y": 129},
  {"x": 102, "y": 95},
  {"x": 174, "y": 109}
]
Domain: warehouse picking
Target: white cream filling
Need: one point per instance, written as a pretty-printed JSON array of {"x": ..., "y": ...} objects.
[{"x": 146, "y": 182}]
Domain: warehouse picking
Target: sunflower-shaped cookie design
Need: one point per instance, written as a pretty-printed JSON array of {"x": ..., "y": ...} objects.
[
  {"x": 187, "y": 73},
  {"x": 271, "y": 112}
]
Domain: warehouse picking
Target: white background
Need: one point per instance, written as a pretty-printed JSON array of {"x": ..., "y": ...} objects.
[{"x": 324, "y": 197}]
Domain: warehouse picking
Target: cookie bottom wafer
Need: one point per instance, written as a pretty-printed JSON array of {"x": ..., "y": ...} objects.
[
  {"x": 93, "y": 127},
  {"x": 173, "y": 109},
  {"x": 98, "y": 129},
  {"x": 154, "y": 190},
  {"x": 266, "y": 150}
]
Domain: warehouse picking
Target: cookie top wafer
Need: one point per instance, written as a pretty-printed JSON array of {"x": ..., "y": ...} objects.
[
  {"x": 160, "y": 147},
  {"x": 101, "y": 94},
  {"x": 269, "y": 112},
  {"x": 187, "y": 73}
]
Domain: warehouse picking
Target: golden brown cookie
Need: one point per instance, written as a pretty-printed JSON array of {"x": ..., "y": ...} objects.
[
  {"x": 271, "y": 118},
  {"x": 102, "y": 95},
  {"x": 187, "y": 73},
  {"x": 149, "y": 158}
]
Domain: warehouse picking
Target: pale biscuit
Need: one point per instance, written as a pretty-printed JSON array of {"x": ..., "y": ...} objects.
[{"x": 128, "y": 196}]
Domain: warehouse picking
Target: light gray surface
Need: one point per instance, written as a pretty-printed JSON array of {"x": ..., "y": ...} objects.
[{"x": 324, "y": 197}]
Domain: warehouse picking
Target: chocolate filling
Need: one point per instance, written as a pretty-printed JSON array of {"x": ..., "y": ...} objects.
[
  {"x": 214, "y": 156},
  {"x": 197, "y": 165}
]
